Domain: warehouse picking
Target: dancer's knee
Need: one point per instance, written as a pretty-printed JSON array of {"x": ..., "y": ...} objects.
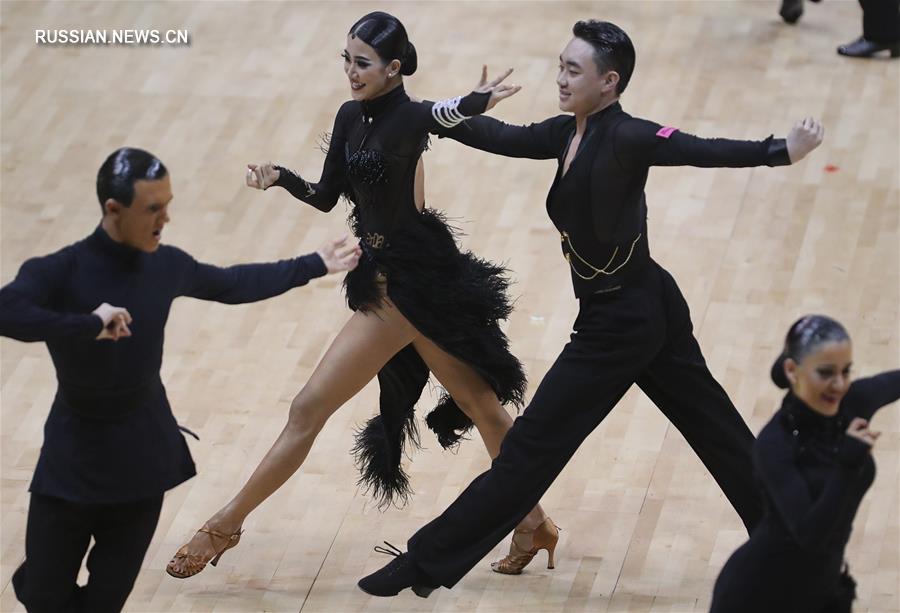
[
  {"x": 483, "y": 407},
  {"x": 308, "y": 412}
]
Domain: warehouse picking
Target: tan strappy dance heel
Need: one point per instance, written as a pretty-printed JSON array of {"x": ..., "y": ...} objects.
[
  {"x": 185, "y": 564},
  {"x": 545, "y": 536}
]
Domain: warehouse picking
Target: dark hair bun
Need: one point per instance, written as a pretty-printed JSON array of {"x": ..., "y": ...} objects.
[
  {"x": 384, "y": 33},
  {"x": 779, "y": 378},
  {"x": 410, "y": 60}
]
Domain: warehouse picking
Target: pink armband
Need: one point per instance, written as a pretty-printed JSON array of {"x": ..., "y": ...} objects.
[{"x": 666, "y": 132}]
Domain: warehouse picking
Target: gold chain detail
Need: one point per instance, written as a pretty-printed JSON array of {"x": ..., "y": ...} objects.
[{"x": 565, "y": 238}]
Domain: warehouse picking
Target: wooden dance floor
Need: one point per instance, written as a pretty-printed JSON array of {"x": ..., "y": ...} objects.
[{"x": 645, "y": 528}]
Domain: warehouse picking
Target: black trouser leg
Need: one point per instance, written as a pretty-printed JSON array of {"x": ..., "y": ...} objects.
[
  {"x": 122, "y": 534},
  {"x": 680, "y": 384},
  {"x": 881, "y": 20},
  {"x": 614, "y": 340},
  {"x": 57, "y": 536},
  {"x": 838, "y": 605},
  {"x": 56, "y": 540}
]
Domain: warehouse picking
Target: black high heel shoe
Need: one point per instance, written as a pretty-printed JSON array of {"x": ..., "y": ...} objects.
[{"x": 867, "y": 48}]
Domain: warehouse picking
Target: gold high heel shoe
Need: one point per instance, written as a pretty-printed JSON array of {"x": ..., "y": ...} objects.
[
  {"x": 545, "y": 536},
  {"x": 184, "y": 564}
]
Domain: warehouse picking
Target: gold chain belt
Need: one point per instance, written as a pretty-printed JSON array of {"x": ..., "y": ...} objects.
[{"x": 564, "y": 237}]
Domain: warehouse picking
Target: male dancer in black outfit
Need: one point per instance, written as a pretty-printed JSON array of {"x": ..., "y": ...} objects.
[
  {"x": 633, "y": 325},
  {"x": 111, "y": 444}
]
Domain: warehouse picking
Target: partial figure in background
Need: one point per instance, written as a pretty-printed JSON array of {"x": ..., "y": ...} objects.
[
  {"x": 814, "y": 463},
  {"x": 881, "y": 27}
]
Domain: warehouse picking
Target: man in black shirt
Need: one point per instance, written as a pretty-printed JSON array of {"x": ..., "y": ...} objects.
[
  {"x": 633, "y": 325},
  {"x": 111, "y": 444}
]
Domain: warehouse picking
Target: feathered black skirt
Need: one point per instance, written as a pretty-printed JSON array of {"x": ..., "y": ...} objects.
[{"x": 457, "y": 301}]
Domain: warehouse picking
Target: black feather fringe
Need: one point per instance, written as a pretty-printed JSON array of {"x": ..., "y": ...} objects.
[
  {"x": 456, "y": 300},
  {"x": 377, "y": 455},
  {"x": 379, "y": 447},
  {"x": 448, "y": 422}
]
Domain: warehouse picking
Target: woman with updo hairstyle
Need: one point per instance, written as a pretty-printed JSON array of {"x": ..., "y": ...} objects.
[
  {"x": 420, "y": 304},
  {"x": 814, "y": 464}
]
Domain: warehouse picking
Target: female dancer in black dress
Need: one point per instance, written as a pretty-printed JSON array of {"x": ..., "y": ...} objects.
[
  {"x": 420, "y": 304},
  {"x": 814, "y": 463}
]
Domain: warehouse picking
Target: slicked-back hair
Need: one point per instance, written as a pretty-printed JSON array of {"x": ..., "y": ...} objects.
[
  {"x": 384, "y": 33},
  {"x": 122, "y": 168},
  {"x": 805, "y": 336}
]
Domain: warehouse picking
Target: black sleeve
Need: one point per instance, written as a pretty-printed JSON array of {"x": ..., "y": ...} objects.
[
  {"x": 324, "y": 194},
  {"x": 245, "y": 282},
  {"x": 26, "y": 312},
  {"x": 868, "y": 395},
  {"x": 537, "y": 141},
  {"x": 809, "y": 520},
  {"x": 641, "y": 143}
]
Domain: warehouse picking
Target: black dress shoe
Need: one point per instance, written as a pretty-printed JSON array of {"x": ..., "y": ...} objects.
[
  {"x": 399, "y": 574},
  {"x": 866, "y": 48},
  {"x": 791, "y": 10}
]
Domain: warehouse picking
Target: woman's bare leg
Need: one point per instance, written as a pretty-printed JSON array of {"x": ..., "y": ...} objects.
[
  {"x": 360, "y": 350},
  {"x": 477, "y": 400}
]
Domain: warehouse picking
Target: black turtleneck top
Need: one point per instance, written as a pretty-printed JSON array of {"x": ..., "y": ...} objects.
[
  {"x": 373, "y": 151},
  {"x": 813, "y": 475},
  {"x": 110, "y": 435},
  {"x": 813, "y": 478},
  {"x": 599, "y": 206}
]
